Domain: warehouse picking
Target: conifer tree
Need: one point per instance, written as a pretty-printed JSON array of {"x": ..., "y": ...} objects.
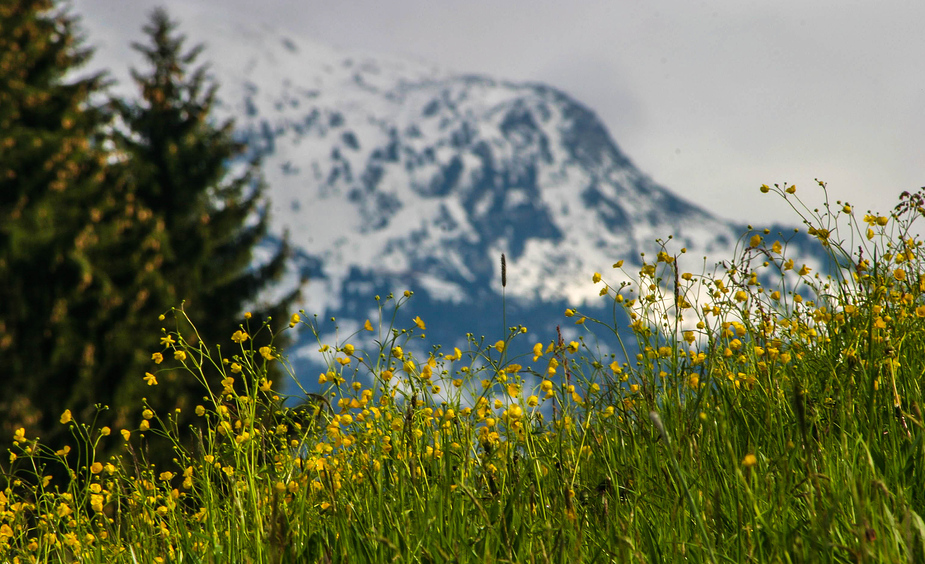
[
  {"x": 182, "y": 164},
  {"x": 95, "y": 243},
  {"x": 51, "y": 200}
]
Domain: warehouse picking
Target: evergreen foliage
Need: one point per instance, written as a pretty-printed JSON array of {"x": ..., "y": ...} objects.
[
  {"x": 193, "y": 175},
  {"x": 104, "y": 226},
  {"x": 53, "y": 202}
]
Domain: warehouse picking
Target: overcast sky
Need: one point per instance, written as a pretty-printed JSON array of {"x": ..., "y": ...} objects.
[{"x": 710, "y": 99}]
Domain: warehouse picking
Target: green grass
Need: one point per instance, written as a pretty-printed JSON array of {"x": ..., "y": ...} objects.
[{"x": 772, "y": 415}]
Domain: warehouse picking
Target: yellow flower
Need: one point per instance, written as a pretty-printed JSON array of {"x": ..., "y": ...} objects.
[
  {"x": 126, "y": 434},
  {"x": 899, "y": 274},
  {"x": 96, "y": 468},
  {"x": 791, "y": 189},
  {"x": 532, "y": 401},
  {"x": 144, "y": 425},
  {"x": 235, "y": 368},
  {"x": 765, "y": 188},
  {"x": 749, "y": 460},
  {"x": 420, "y": 323},
  {"x": 66, "y": 417},
  {"x": 157, "y": 358},
  {"x": 265, "y": 385},
  {"x": 755, "y": 240},
  {"x": 618, "y": 264},
  {"x": 368, "y": 326},
  {"x": 167, "y": 341},
  {"x": 180, "y": 355},
  {"x": 150, "y": 379},
  {"x": 804, "y": 271},
  {"x": 572, "y": 347},
  {"x": 294, "y": 320},
  {"x": 147, "y": 414},
  {"x": 397, "y": 352},
  {"x": 348, "y": 349},
  {"x": 596, "y": 278},
  {"x": 499, "y": 346},
  {"x": 266, "y": 353},
  {"x": 569, "y": 312},
  {"x": 239, "y": 336}
]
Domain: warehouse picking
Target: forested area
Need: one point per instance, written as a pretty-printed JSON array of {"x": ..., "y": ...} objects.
[{"x": 112, "y": 211}]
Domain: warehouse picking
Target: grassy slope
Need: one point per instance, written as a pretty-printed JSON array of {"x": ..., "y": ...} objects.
[{"x": 757, "y": 425}]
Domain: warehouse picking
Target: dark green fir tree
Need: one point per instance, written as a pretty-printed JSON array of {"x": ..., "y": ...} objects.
[
  {"x": 181, "y": 163},
  {"x": 52, "y": 199},
  {"x": 97, "y": 239}
]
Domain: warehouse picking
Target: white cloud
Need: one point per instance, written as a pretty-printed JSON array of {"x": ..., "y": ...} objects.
[{"x": 711, "y": 99}]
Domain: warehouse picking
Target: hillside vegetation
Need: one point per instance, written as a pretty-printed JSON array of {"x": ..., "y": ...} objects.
[{"x": 762, "y": 421}]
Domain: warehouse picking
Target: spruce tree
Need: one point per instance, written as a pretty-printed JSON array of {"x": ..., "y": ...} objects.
[
  {"x": 51, "y": 201},
  {"x": 181, "y": 163}
]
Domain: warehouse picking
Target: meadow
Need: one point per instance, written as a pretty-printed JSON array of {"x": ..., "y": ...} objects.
[{"x": 772, "y": 414}]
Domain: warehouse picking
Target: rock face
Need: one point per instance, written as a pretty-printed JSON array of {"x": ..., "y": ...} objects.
[{"x": 391, "y": 175}]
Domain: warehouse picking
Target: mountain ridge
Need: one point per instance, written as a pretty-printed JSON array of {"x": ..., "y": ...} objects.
[{"x": 389, "y": 174}]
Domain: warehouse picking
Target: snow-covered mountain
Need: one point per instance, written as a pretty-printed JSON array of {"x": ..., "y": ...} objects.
[
  {"x": 403, "y": 170},
  {"x": 391, "y": 174}
]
